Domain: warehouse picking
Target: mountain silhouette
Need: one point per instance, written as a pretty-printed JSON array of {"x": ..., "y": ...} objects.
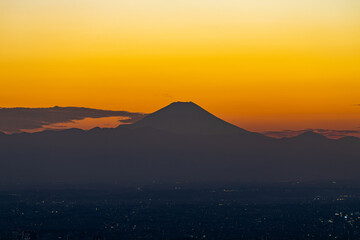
[
  {"x": 309, "y": 137},
  {"x": 179, "y": 143},
  {"x": 187, "y": 118}
]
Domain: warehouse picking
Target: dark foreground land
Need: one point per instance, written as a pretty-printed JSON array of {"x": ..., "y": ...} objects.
[{"x": 279, "y": 211}]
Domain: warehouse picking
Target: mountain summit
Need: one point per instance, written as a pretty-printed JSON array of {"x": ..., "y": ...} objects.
[{"x": 187, "y": 118}]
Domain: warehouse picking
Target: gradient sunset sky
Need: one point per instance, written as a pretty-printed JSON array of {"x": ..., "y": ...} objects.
[{"x": 259, "y": 64}]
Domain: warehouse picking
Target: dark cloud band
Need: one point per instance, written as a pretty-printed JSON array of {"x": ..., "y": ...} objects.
[{"x": 14, "y": 119}]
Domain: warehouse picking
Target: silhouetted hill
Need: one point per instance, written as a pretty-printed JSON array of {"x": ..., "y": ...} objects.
[
  {"x": 349, "y": 139},
  {"x": 181, "y": 142},
  {"x": 187, "y": 118},
  {"x": 308, "y": 138},
  {"x": 310, "y": 135}
]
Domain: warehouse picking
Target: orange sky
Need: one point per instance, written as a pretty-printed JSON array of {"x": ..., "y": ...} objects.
[{"x": 260, "y": 64}]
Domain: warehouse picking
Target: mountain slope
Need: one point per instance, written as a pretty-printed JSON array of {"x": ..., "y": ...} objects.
[{"x": 187, "y": 118}]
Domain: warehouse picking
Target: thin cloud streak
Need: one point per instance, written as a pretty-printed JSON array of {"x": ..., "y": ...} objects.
[{"x": 330, "y": 133}]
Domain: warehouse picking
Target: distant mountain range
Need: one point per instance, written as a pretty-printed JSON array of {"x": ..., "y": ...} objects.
[{"x": 179, "y": 143}]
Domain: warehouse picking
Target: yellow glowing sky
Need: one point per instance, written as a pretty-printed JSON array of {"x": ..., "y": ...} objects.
[{"x": 260, "y": 64}]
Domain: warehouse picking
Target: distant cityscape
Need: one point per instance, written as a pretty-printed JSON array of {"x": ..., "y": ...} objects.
[{"x": 278, "y": 211}]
